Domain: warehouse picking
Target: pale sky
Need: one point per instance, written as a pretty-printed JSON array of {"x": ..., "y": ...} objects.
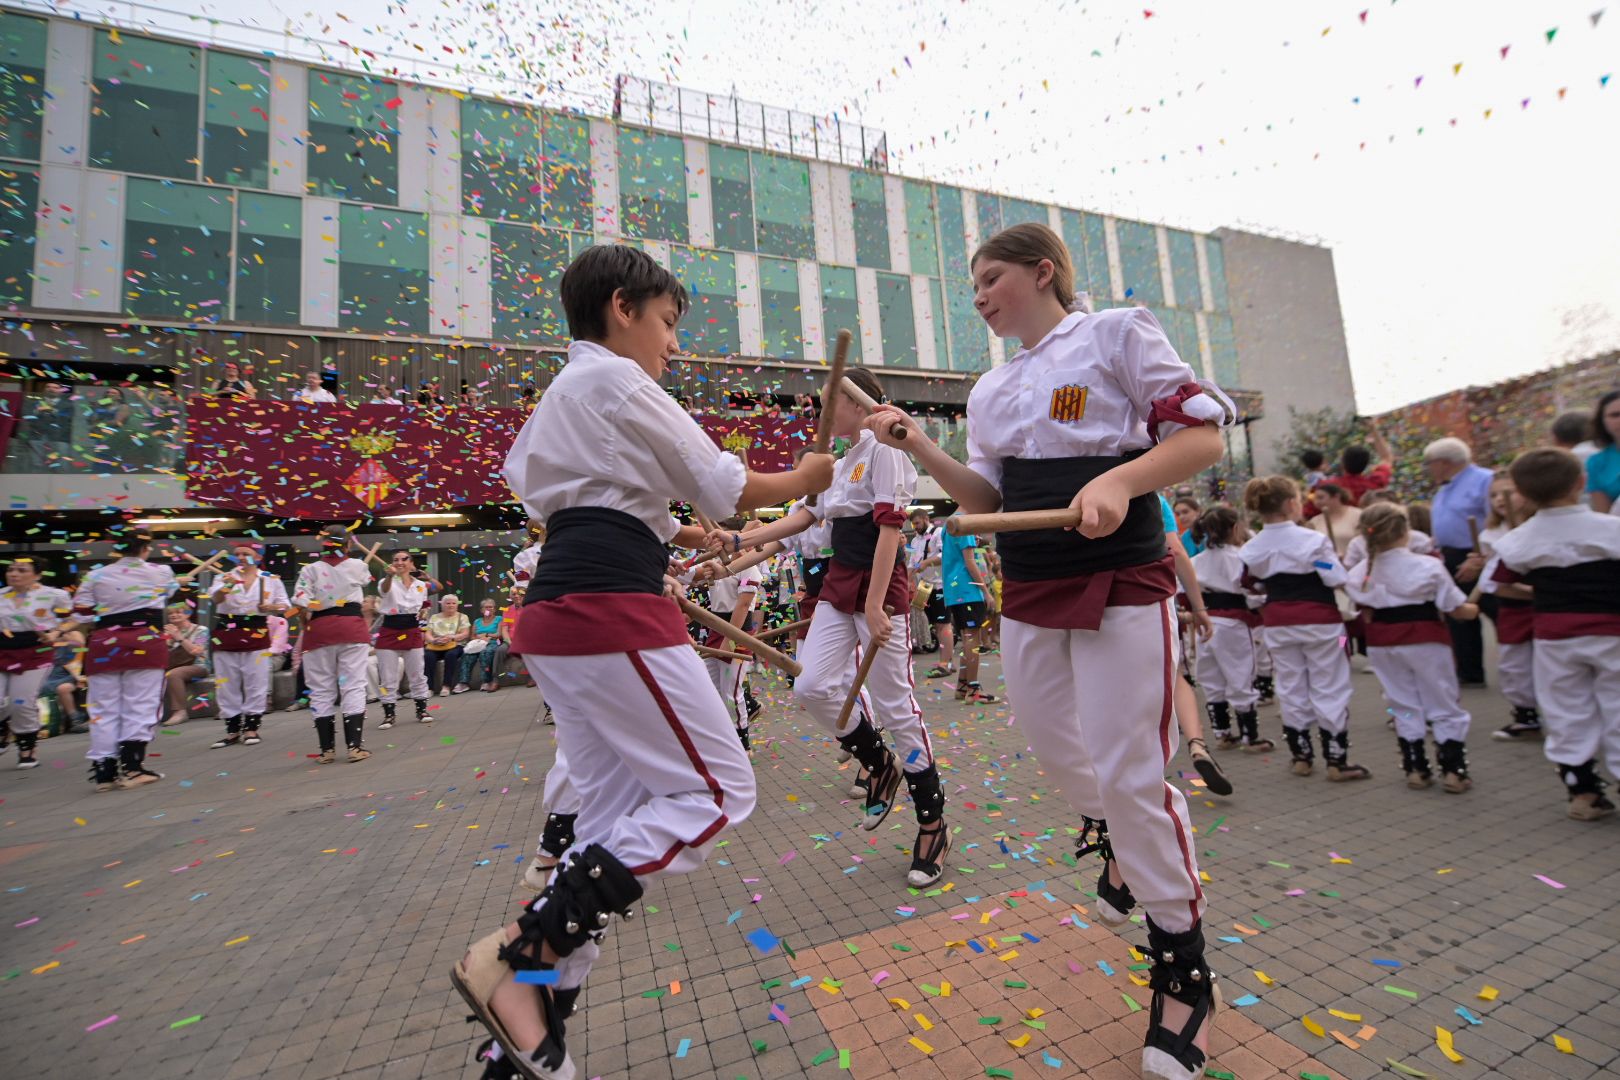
[{"x": 1466, "y": 254}]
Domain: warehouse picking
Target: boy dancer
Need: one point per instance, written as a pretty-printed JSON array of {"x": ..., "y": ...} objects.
[
  {"x": 244, "y": 599},
  {"x": 336, "y": 643}
]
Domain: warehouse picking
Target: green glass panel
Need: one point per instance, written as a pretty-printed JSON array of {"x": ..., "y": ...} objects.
[
  {"x": 526, "y": 269},
  {"x": 780, "y": 316},
  {"x": 896, "y": 320},
  {"x": 710, "y": 277},
  {"x": 353, "y": 137},
  {"x": 970, "y": 337},
  {"x": 936, "y": 302},
  {"x": 1215, "y": 256},
  {"x": 1223, "y": 351},
  {"x": 784, "y": 220},
  {"x": 1139, "y": 261},
  {"x": 1185, "y": 336},
  {"x": 566, "y": 171},
  {"x": 840, "y": 310},
  {"x": 1184, "y": 270},
  {"x": 382, "y": 270},
  {"x": 19, "y": 205},
  {"x": 269, "y": 259},
  {"x": 920, "y": 234},
  {"x": 143, "y": 116},
  {"x": 236, "y": 121},
  {"x": 177, "y": 250},
  {"x": 500, "y": 161},
  {"x": 652, "y": 185},
  {"x": 1099, "y": 282},
  {"x": 871, "y": 216},
  {"x": 1021, "y": 212},
  {"x": 731, "y": 196},
  {"x": 22, "y": 84},
  {"x": 952, "y": 234},
  {"x": 988, "y": 208}
]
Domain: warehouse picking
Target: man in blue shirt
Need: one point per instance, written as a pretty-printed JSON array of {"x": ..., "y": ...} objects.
[
  {"x": 1463, "y": 494},
  {"x": 966, "y": 592}
]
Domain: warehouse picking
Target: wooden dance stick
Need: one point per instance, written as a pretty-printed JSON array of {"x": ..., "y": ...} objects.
[
  {"x": 1014, "y": 521},
  {"x": 860, "y": 680},
  {"x": 1473, "y": 533},
  {"x": 202, "y": 564},
  {"x": 864, "y": 400},
  {"x": 786, "y": 628},
  {"x": 705, "y": 617},
  {"x": 829, "y": 399},
  {"x": 371, "y": 554},
  {"x": 717, "y": 654}
]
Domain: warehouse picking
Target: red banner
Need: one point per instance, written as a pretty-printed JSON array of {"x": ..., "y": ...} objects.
[{"x": 337, "y": 463}]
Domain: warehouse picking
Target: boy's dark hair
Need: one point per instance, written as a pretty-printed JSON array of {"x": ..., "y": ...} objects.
[
  {"x": 1600, "y": 432},
  {"x": 1312, "y": 459},
  {"x": 1355, "y": 460},
  {"x": 1546, "y": 475},
  {"x": 600, "y": 271},
  {"x": 1571, "y": 429}
]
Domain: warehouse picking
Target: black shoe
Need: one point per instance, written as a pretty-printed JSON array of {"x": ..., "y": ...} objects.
[{"x": 1213, "y": 777}]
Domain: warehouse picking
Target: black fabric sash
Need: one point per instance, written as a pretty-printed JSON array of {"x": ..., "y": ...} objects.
[
  {"x": 400, "y": 622},
  {"x": 20, "y": 639},
  {"x": 1304, "y": 587},
  {"x": 591, "y": 549},
  {"x": 1215, "y": 600},
  {"x": 1406, "y": 613},
  {"x": 854, "y": 542},
  {"x": 1589, "y": 588},
  {"x": 241, "y": 622},
  {"x": 340, "y": 609},
  {"x": 150, "y": 616},
  {"x": 815, "y": 572},
  {"x": 1045, "y": 554}
]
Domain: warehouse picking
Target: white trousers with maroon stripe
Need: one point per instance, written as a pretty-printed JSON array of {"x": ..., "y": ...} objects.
[
  {"x": 1097, "y": 708},
  {"x": 242, "y": 680},
  {"x": 1226, "y": 664},
  {"x": 1420, "y": 683},
  {"x": 1313, "y": 675},
  {"x": 651, "y": 752},
  {"x": 559, "y": 795},
  {"x": 1516, "y": 665},
  {"x": 336, "y": 674},
  {"x": 1578, "y": 685},
  {"x": 829, "y": 656},
  {"x": 728, "y": 677},
  {"x": 123, "y": 705}
]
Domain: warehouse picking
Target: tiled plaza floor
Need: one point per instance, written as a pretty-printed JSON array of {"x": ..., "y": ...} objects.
[{"x": 257, "y": 915}]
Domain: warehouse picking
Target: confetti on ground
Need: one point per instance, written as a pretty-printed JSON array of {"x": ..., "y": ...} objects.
[
  {"x": 1442, "y": 1039},
  {"x": 1563, "y": 1044},
  {"x": 1488, "y": 993},
  {"x": 763, "y": 940},
  {"x": 1549, "y": 882},
  {"x": 113, "y": 1019},
  {"x": 183, "y": 1023}
]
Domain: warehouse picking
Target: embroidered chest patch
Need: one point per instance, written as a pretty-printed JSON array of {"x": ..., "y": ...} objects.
[
  {"x": 1068, "y": 403},
  {"x": 858, "y": 472}
]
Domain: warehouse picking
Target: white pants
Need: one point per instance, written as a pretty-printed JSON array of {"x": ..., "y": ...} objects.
[
  {"x": 1313, "y": 675},
  {"x": 1262, "y": 655},
  {"x": 560, "y": 796},
  {"x": 123, "y": 706},
  {"x": 1578, "y": 685},
  {"x": 334, "y": 673},
  {"x": 829, "y": 656},
  {"x": 1226, "y": 664},
  {"x": 1420, "y": 684},
  {"x": 389, "y": 662},
  {"x": 1098, "y": 709},
  {"x": 242, "y": 681},
  {"x": 1517, "y": 667},
  {"x": 728, "y": 677},
  {"x": 19, "y": 699}
]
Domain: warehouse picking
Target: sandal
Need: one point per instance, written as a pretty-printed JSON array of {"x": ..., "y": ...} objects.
[
  {"x": 976, "y": 696},
  {"x": 882, "y": 785},
  {"x": 1179, "y": 972},
  {"x": 229, "y": 740},
  {"x": 928, "y": 865},
  {"x": 475, "y": 978},
  {"x": 1114, "y": 902},
  {"x": 1213, "y": 777},
  {"x": 940, "y": 672}
]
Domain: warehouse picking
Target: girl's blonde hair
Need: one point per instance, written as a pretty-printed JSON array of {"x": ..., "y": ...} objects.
[
  {"x": 1492, "y": 518},
  {"x": 1030, "y": 244},
  {"x": 1267, "y": 495},
  {"x": 1385, "y": 527}
]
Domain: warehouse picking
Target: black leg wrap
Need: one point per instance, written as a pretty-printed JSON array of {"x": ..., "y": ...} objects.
[
  {"x": 388, "y": 711},
  {"x": 1452, "y": 756},
  {"x": 354, "y": 730},
  {"x": 575, "y": 907},
  {"x": 1248, "y": 724},
  {"x": 421, "y": 707},
  {"x": 1179, "y": 972},
  {"x": 1266, "y": 686},
  {"x": 558, "y": 835},
  {"x": 1582, "y": 779},
  {"x": 926, "y": 797},
  {"x": 1335, "y": 748},
  {"x": 866, "y": 746},
  {"x": 1220, "y": 716},
  {"x": 250, "y": 722},
  {"x": 105, "y": 770},
  {"x": 326, "y": 731},
  {"x": 233, "y": 724},
  {"x": 1526, "y": 715},
  {"x": 1299, "y": 744},
  {"x": 1094, "y": 837},
  {"x": 129, "y": 756},
  {"x": 1415, "y": 759},
  {"x": 26, "y": 741}
]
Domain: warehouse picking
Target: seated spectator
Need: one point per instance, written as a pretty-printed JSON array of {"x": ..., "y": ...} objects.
[
  {"x": 1603, "y": 466},
  {"x": 188, "y": 660},
  {"x": 49, "y": 427},
  {"x": 479, "y": 654},
  {"x": 446, "y": 633},
  {"x": 66, "y": 684},
  {"x": 313, "y": 392}
]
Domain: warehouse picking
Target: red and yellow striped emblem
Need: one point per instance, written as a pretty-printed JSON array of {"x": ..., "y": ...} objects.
[{"x": 1068, "y": 404}]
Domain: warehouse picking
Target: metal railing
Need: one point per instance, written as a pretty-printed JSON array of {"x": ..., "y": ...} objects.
[{"x": 728, "y": 118}]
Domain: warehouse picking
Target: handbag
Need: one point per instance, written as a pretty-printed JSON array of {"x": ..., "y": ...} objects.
[{"x": 474, "y": 647}]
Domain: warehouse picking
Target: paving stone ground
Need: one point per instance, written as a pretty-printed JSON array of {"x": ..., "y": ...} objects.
[{"x": 257, "y": 915}]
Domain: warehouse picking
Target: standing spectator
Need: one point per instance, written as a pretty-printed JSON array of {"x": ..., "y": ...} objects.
[
  {"x": 1357, "y": 475},
  {"x": 967, "y": 598},
  {"x": 1338, "y": 519},
  {"x": 1186, "y": 509},
  {"x": 446, "y": 632},
  {"x": 232, "y": 384},
  {"x": 1463, "y": 494},
  {"x": 313, "y": 392},
  {"x": 165, "y": 445},
  {"x": 1603, "y": 467},
  {"x": 1313, "y": 460},
  {"x": 50, "y": 426},
  {"x": 923, "y": 563},
  {"x": 1572, "y": 431},
  {"x": 479, "y": 653},
  {"x": 188, "y": 660}
]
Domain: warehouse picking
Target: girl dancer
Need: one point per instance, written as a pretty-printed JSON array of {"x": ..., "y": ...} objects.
[
  {"x": 244, "y": 599},
  {"x": 865, "y": 603},
  {"x": 1409, "y": 646},
  {"x": 1299, "y": 570},
  {"x": 1095, "y": 413},
  {"x": 732, "y": 597},
  {"x": 336, "y": 643},
  {"x": 400, "y": 600},
  {"x": 31, "y": 614},
  {"x": 1226, "y": 664},
  {"x": 1512, "y": 611},
  {"x": 657, "y": 765}
]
